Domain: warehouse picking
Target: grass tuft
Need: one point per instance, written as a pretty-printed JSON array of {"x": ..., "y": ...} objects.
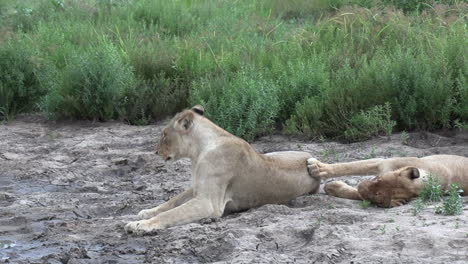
[
  {"x": 432, "y": 191},
  {"x": 453, "y": 204}
]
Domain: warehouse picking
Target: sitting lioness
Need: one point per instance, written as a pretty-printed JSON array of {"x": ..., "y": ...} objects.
[
  {"x": 227, "y": 174},
  {"x": 399, "y": 180}
]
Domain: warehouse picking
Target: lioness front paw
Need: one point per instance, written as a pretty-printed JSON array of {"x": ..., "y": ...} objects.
[
  {"x": 147, "y": 213},
  {"x": 334, "y": 188},
  {"x": 316, "y": 168},
  {"x": 141, "y": 227}
]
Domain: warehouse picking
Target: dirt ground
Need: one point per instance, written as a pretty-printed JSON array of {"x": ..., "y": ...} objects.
[{"x": 67, "y": 189}]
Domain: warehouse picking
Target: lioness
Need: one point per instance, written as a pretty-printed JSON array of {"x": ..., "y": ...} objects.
[
  {"x": 227, "y": 174},
  {"x": 399, "y": 179}
]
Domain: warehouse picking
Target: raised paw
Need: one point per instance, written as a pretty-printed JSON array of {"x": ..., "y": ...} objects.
[
  {"x": 316, "y": 168},
  {"x": 141, "y": 227}
]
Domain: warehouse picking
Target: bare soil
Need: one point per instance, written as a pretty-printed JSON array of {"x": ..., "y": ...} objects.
[{"x": 67, "y": 189}]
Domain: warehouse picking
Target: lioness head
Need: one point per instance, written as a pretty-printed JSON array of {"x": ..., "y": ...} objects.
[
  {"x": 393, "y": 188},
  {"x": 176, "y": 136}
]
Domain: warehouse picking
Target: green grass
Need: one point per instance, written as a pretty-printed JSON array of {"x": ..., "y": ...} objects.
[
  {"x": 365, "y": 204},
  {"x": 418, "y": 206},
  {"x": 91, "y": 85},
  {"x": 342, "y": 69},
  {"x": 453, "y": 204},
  {"x": 22, "y": 78},
  {"x": 432, "y": 191}
]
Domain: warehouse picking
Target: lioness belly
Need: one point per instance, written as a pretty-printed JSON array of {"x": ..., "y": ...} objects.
[{"x": 280, "y": 177}]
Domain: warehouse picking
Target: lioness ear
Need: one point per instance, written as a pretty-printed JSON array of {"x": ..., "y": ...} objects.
[
  {"x": 198, "y": 109},
  {"x": 185, "y": 122},
  {"x": 412, "y": 173}
]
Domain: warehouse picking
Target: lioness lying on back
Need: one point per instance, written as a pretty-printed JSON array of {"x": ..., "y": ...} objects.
[
  {"x": 227, "y": 174},
  {"x": 399, "y": 179}
]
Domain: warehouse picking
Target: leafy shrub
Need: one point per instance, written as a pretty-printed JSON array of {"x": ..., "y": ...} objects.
[
  {"x": 329, "y": 112},
  {"x": 432, "y": 191},
  {"x": 299, "y": 9},
  {"x": 425, "y": 96},
  {"x": 409, "y": 5},
  {"x": 418, "y": 5},
  {"x": 152, "y": 59},
  {"x": 453, "y": 204},
  {"x": 21, "y": 73},
  {"x": 373, "y": 122},
  {"x": 418, "y": 88},
  {"x": 462, "y": 107},
  {"x": 25, "y": 15},
  {"x": 245, "y": 104},
  {"x": 173, "y": 17},
  {"x": 297, "y": 80},
  {"x": 91, "y": 85},
  {"x": 323, "y": 67},
  {"x": 152, "y": 99}
]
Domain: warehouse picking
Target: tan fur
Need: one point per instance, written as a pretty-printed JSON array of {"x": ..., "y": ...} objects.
[
  {"x": 227, "y": 174},
  {"x": 399, "y": 179},
  {"x": 342, "y": 190}
]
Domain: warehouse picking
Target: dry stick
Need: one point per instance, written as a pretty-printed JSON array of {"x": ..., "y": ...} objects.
[
  {"x": 273, "y": 29},
  {"x": 214, "y": 57}
]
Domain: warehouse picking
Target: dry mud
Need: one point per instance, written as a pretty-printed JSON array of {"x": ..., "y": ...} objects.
[{"x": 66, "y": 191}]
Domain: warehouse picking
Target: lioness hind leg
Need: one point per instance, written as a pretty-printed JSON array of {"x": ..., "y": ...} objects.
[
  {"x": 325, "y": 171},
  {"x": 342, "y": 190},
  {"x": 172, "y": 203}
]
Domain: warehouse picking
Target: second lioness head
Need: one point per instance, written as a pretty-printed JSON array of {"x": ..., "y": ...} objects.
[{"x": 392, "y": 188}]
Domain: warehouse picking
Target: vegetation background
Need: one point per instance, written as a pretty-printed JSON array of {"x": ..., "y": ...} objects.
[{"x": 343, "y": 69}]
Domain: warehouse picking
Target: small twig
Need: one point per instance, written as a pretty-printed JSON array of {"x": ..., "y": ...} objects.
[
  {"x": 214, "y": 57},
  {"x": 273, "y": 29}
]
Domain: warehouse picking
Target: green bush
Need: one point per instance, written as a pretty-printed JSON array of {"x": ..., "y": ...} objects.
[
  {"x": 21, "y": 78},
  {"x": 453, "y": 204},
  {"x": 300, "y": 9},
  {"x": 149, "y": 60},
  {"x": 373, "y": 122},
  {"x": 91, "y": 85},
  {"x": 151, "y": 99},
  {"x": 297, "y": 80},
  {"x": 328, "y": 113},
  {"x": 418, "y": 5},
  {"x": 25, "y": 15},
  {"x": 419, "y": 89},
  {"x": 432, "y": 191},
  {"x": 329, "y": 68},
  {"x": 170, "y": 17},
  {"x": 245, "y": 104},
  {"x": 425, "y": 95},
  {"x": 418, "y": 86}
]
